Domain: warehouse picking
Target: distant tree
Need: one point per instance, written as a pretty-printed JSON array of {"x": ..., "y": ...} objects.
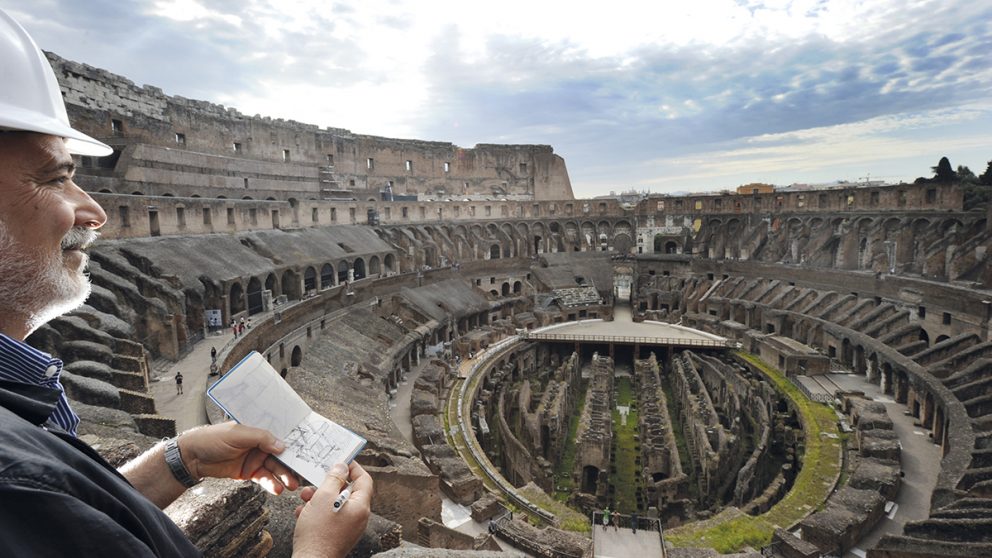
[
  {"x": 943, "y": 171},
  {"x": 965, "y": 175},
  {"x": 986, "y": 177}
]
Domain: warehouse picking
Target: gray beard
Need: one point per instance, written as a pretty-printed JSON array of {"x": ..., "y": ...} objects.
[{"x": 38, "y": 290}]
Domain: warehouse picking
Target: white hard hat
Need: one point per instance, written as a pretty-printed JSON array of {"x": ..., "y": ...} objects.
[{"x": 30, "y": 99}]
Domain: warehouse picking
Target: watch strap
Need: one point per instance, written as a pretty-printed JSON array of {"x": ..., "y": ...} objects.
[{"x": 174, "y": 459}]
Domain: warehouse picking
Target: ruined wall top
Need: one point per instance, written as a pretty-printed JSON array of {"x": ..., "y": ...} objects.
[{"x": 114, "y": 109}]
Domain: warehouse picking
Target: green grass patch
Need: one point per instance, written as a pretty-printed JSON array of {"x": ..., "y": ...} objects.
[
  {"x": 625, "y": 479},
  {"x": 820, "y": 467},
  {"x": 570, "y": 520}
]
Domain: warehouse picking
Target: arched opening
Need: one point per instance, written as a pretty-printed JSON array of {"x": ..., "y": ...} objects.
[
  {"x": 271, "y": 286},
  {"x": 505, "y": 289},
  {"x": 359, "y": 269},
  {"x": 590, "y": 479},
  {"x": 297, "y": 356},
  {"x": 254, "y": 296},
  {"x": 309, "y": 280},
  {"x": 343, "y": 268},
  {"x": 494, "y": 252},
  {"x": 517, "y": 286},
  {"x": 291, "y": 285},
  {"x": 237, "y": 298},
  {"x": 671, "y": 247},
  {"x": 941, "y": 338},
  {"x": 924, "y": 336},
  {"x": 494, "y": 292},
  {"x": 390, "y": 262},
  {"x": 374, "y": 266},
  {"x": 326, "y": 276},
  {"x": 887, "y": 378}
]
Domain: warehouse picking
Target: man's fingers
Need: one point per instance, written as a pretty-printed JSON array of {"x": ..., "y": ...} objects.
[
  {"x": 335, "y": 481},
  {"x": 361, "y": 483},
  {"x": 307, "y": 493},
  {"x": 242, "y": 436}
]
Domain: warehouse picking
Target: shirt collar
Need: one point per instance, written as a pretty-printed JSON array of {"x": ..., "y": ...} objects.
[
  {"x": 37, "y": 372},
  {"x": 20, "y": 362}
]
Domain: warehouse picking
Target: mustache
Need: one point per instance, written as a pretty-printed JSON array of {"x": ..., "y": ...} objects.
[{"x": 79, "y": 237}]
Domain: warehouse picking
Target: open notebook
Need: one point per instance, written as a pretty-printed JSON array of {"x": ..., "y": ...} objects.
[{"x": 253, "y": 393}]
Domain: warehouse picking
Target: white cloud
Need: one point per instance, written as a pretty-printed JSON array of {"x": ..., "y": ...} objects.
[{"x": 191, "y": 11}]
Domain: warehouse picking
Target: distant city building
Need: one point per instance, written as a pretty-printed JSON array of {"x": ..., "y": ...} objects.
[{"x": 755, "y": 188}]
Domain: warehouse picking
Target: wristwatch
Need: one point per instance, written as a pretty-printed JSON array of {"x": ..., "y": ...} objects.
[{"x": 174, "y": 460}]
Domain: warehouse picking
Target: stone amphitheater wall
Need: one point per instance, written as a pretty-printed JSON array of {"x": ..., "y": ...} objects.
[{"x": 167, "y": 141}]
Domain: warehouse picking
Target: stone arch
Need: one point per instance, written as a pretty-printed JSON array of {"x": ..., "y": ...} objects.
[
  {"x": 326, "y": 276},
  {"x": 374, "y": 267},
  {"x": 590, "y": 479},
  {"x": 291, "y": 285},
  {"x": 887, "y": 378},
  {"x": 494, "y": 252},
  {"x": 296, "y": 357},
  {"x": 309, "y": 279},
  {"x": 505, "y": 289},
  {"x": 255, "y": 303},
  {"x": 390, "y": 263},
  {"x": 236, "y": 298},
  {"x": 359, "y": 269},
  {"x": 622, "y": 243},
  {"x": 671, "y": 247},
  {"x": 343, "y": 268},
  {"x": 272, "y": 284}
]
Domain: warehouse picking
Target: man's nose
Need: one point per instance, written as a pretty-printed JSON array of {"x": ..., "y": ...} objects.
[{"x": 89, "y": 214}]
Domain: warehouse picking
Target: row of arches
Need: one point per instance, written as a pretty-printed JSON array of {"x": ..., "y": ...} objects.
[
  {"x": 440, "y": 244},
  {"x": 888, "y": 244},
  {"x": 295, "y": 284}
]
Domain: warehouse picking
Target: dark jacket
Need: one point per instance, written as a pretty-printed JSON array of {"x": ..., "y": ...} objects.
[{"x": 58, "y": 497}]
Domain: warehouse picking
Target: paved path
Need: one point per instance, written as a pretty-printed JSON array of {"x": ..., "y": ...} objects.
[
  {"x": 624, "y": 543},
  {"x": 920, "y": 460},
  {"x": 622, "y": 329}
]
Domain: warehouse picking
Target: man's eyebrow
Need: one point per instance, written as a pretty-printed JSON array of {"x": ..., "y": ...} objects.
[{"x": 67, "y": 166}]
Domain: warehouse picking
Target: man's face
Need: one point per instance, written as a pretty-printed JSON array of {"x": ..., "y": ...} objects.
[{"x": 46, "y": 222}]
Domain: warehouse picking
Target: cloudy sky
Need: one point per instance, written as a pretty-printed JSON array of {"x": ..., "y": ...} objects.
[{"x": 663, "y": 96}]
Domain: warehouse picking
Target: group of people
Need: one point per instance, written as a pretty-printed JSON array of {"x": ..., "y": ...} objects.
[
  {"x": 612, "y": 519},
  {"x": 59, "y": 496},
  {"x": 238, "y": 328}
]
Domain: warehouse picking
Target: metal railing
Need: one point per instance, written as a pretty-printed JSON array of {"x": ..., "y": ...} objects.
[{"x": 627, "y": 522}]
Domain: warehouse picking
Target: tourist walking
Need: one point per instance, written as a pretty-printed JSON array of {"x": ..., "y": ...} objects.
[
  {"x": 606, "y": 517},
  {"x": 179, "y": 383},
  {"x": 633, "y": 522},
  {"x": 213, "y": 354}
]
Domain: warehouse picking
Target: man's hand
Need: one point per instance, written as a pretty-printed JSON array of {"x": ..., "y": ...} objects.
[
  {"x": 235, "y": 451},
  {"x": 228, "y": 450},
  {"x": 322, "y": 532}
]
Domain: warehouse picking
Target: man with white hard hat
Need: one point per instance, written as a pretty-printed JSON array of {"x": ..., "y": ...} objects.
[{"x": 58, "y": 497}]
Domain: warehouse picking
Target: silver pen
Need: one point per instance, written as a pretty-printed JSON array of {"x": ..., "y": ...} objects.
[{"x": 342, "y": 498}]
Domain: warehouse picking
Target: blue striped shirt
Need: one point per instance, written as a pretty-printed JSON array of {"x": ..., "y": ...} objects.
[{"x": 24, "y": 364}]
